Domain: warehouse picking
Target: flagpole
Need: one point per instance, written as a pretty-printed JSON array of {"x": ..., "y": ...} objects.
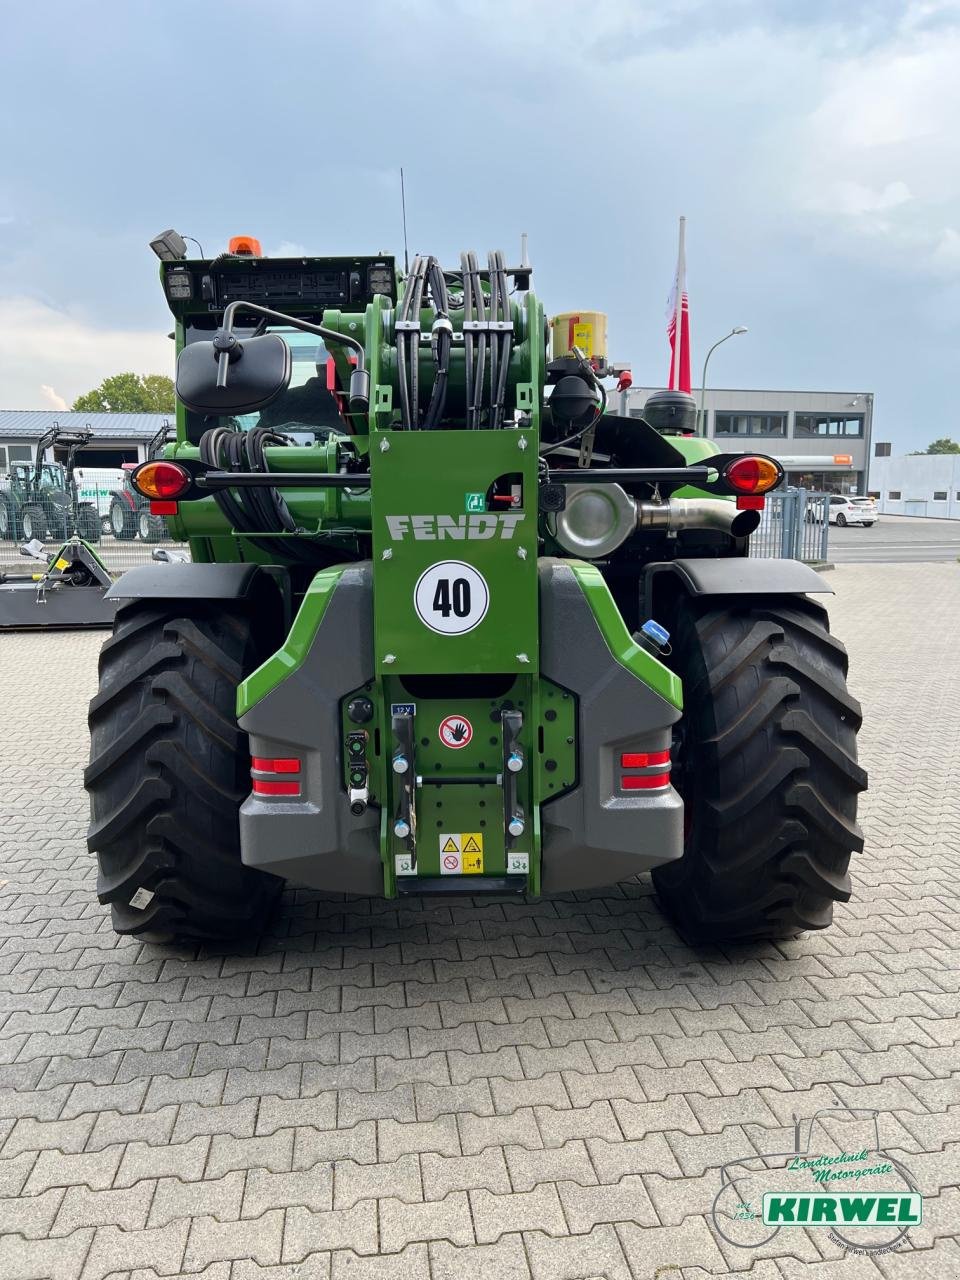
[{"x": 678, "y": 317}]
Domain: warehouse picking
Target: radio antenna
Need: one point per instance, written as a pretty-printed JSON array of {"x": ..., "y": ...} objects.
[{"x": 403, "y": 206}]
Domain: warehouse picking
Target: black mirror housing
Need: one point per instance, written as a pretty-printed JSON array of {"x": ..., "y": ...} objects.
[{"x": 258, "y": 372}]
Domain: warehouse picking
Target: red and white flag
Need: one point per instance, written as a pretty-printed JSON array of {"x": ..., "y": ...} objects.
[{"x": 678, "y": 323}]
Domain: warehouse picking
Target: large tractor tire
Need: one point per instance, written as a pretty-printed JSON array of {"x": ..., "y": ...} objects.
[
  {"x": 151, "y": 528},
  {"x": 8, "y": 520},
  {"x": 88, "y": 523},
  {"x": 765, "y": 758},
  {"x": 123, "y": 519},
  {"x": 169, "y": 769},
  {"x": 33, "y": 523}
]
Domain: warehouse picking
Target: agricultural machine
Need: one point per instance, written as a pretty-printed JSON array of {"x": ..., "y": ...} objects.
[
  {"x": 487, "y": 637},
  {"x": 42, "y": 501}
]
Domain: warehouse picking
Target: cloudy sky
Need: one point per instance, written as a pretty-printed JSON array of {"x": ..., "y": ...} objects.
[{"x": 812, "y": 145}]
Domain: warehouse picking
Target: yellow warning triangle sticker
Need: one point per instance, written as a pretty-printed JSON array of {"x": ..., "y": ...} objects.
[
  {"x": 471, "y": 846},
  {"x": 450, "y": 846}
]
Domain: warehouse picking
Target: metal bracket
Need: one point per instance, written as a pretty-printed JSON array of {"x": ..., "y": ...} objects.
[
  {"x": 513, "y": 815},
  {"x": 404, "y": 747}
]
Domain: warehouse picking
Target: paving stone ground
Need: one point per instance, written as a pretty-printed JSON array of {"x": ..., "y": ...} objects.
[{"x": 481, "y": 1089}]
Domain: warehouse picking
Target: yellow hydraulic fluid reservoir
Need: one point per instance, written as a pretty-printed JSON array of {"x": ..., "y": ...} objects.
[{"x": 584, "y": 329}]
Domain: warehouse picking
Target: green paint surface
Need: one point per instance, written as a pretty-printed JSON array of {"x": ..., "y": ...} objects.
[
  {"x": 619, "y": 640},
  {"x": 297, "y": 644}
]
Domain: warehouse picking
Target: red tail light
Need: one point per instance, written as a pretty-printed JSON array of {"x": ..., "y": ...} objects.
[
  {"x": 275, "y": 764},
  {"x": 645, "y": 781},
  {"x": 640, "y": 759},
  {"x": 753, "y": 473},
  {"x": 162, "y": 481},
  {"x": 262, "y": 787}
]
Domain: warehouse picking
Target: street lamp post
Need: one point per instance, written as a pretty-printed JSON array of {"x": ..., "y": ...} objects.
[{"x": 738, "y": 329}]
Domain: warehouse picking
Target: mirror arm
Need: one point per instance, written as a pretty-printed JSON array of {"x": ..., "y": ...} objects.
[{"x": 328, "y": 335}]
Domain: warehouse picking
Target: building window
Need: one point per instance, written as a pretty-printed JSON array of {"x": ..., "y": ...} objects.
[
  {"x": 20, "y": 453},
  {"x": 3, "y": 458},
  {"x": 749, "y": 424},
  {"x": 827, "y": 481},
  {"x": 939, "y": 495},
  {"x": 817, "y": 424},
  {"x": 873, "y": 493},
  {"x": 894, "y": 495}
]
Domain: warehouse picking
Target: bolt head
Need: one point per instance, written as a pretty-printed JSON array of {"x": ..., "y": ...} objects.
[
  {"x": 515, "y": 826},
  {"x": 401, "y": 828}
]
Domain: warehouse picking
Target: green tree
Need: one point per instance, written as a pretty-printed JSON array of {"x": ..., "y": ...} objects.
[
  {"x": 943, "y": 445},
  {"x": 129, "y": 393}
]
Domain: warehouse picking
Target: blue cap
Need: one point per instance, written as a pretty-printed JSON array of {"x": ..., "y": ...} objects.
[{"x": 653, "y": 631}]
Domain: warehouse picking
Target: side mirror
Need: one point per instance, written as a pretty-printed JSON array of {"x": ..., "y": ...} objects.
[{"x": 258, "y": 371}]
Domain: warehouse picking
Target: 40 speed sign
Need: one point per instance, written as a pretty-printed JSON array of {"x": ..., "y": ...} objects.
[{"x": 451, "y": 598}]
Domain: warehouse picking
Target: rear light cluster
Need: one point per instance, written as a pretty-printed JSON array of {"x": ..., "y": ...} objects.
[
  {"x": 275, "y": 786},
  {"x": 163, "y": 483},
  {"x": 658, "y": 760},
  {"x": 752, "y": 476}
]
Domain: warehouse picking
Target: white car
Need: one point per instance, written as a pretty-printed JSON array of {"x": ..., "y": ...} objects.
[{"x": 862, "y": 511}]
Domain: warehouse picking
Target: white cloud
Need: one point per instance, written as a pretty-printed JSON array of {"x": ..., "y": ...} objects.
[
  {"x": 53, "y": 401},
  {"x": 876, "y": 163},
  {"x": 42, "y": 348}
]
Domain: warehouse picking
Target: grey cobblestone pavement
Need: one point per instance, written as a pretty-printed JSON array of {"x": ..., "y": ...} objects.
[{"x": 487, "y": 1089}]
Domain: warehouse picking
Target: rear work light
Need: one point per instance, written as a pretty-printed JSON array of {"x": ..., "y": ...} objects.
[
  {"x": 275, "y": 786},
  {"x": 161, "y": 481},
  {"x": 753, "y": 474}
]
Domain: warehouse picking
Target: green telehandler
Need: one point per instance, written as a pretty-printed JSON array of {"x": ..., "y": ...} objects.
[{"x": 453, "y": 627}]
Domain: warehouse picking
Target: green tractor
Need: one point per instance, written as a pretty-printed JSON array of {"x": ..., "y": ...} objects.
[
  {"x": 451, "y": 626},
  {"x": 41, "y": 500}
]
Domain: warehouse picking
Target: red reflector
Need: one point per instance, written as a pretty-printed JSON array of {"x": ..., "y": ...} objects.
[
  {"x": 271, "y": 764},
  {"x": 164, "y": 508},
  {"x": 748, "y": 503},
  {"x": 262, "y": 787},
  {"x": 645, "y": 781},
  {"x": 640, "y": 759}
]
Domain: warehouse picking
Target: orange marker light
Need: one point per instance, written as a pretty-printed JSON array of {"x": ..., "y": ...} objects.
[
  {"x": 245, "y": 245},
  {"x": 161, "y": 481},
  {"x": 752, "y": 474}
]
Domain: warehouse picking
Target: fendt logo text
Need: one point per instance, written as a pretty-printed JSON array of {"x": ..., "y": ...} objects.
[{"x": 474, "y": 528}]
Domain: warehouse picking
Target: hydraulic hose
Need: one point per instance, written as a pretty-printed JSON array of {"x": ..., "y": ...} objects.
[
  {"x": 467, "y": 335},
  {"x": 481, "y": 349},
  {"x": 442, "y": 334},
  {"x": 506, "y": 339}
]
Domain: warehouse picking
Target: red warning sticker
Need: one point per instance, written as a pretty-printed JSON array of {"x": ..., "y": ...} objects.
[{"x": 455, "y": 732}]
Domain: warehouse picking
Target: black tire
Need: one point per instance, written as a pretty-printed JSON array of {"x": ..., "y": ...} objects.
[
  {"x": 33, "y": 523},
  {"x": 8, "y": 521},
  {"x": 123, "y": 521},
  {"x": 169, "y": 769},
  {"x": 151, "y": 528},
  {"x": 841, "y": 520},
  {"x": 766, "y": 761},
  {"x": 88, "y": 523}
]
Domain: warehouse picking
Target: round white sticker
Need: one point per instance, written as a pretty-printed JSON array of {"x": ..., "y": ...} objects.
[
  {"x": 455, "y": 732},
  {"x": 451, "y": 598}
]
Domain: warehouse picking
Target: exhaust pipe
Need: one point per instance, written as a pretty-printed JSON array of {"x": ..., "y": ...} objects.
[{"x": 697, "y": 513}]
